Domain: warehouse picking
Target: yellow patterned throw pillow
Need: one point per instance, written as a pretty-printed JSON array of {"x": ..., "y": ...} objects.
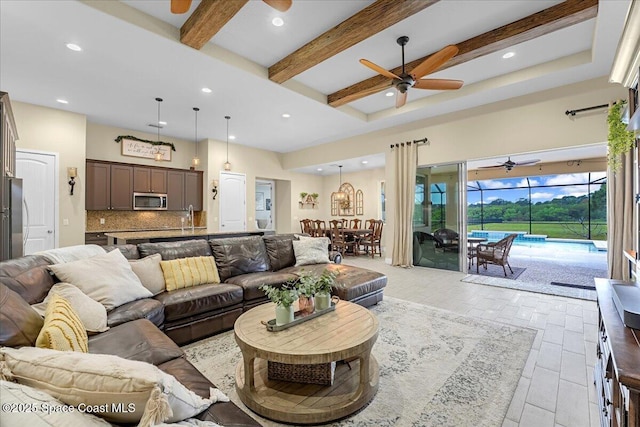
[
  {"x": 188, "y": 272},
  {"x": 63, "y": 330}
]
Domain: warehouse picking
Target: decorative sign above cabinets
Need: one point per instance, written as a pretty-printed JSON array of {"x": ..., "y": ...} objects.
[{"x": 147, "y": 150}]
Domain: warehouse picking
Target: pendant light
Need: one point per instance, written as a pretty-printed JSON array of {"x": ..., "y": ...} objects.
[
  {"x": 158, "y": 157},
  {"x": 227, "y": 165},
  {"x": 196, "y": 161},
  {"x": 340, "y": 195}
]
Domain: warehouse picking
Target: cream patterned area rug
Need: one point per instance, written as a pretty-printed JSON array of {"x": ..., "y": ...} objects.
[{"x": 437, "y": 368}]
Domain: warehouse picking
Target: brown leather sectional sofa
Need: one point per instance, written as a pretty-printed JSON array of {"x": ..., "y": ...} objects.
[{"x": 139, "y": 330}]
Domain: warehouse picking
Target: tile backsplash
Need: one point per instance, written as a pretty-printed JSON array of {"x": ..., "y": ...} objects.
[{"x": 140, "y": 220}]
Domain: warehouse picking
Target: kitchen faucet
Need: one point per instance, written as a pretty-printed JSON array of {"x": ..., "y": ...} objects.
[{"x": 190, "y": 217}]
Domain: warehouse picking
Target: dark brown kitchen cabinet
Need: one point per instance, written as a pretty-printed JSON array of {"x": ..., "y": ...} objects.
[
  {"x": 109, "y": 186},
  {"x": 184, "y": 189},
  {"x": 149, "y": 180}
]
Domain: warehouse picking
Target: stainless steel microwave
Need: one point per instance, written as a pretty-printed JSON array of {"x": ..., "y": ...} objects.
[{"x": 149, "y": 202}]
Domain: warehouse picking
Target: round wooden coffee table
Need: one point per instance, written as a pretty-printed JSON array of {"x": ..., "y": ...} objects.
[{"x": 348, "y": 333}]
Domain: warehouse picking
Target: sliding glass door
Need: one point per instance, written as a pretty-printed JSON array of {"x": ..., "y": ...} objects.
[{"x": 438, "y": 220}]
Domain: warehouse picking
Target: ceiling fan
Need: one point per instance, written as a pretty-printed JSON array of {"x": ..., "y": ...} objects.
[
  {"x": 182, "y": 6},
  {"x": 510, "y": 164},
  {"x": 415, "y": 77}
]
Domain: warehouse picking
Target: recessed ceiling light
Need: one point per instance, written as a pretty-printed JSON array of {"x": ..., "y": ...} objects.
[
  {"x": 364, "y": 162},
  {"x": 74, "y": 47},
  {"x": 277, "y": 21},
  {"x": 389, "y": 94},
  {"x": 232, "y": 137},
  {"x": 206, "y": 90},
  {"x": 286, "y": 115},
  {"x": 62, "y": 101},
  {"x": 162, "y": 123},
  {"x": 508, "y": 55},
  {"x": 319, "y": 169}
]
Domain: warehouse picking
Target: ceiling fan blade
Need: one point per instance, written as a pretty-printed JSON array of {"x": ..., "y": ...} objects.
[
  {"x": 528, "y": 162},
  {"x": 279, "y": 5},
  {"x": 180, "y": 6},
  {"x": 378, "y": 69},
  {"x": 438, "y": 84},
  {"x": 434, "y": 62},
  {"x": 401, "y": 99},
  {"x": 491, "y": 167}
]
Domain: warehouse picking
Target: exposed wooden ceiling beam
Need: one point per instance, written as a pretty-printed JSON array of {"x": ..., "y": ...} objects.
[
  {"x": 208, "y": 18},
  {"x": 369, "y": 21},
  {"x": 562, "y": 15}
]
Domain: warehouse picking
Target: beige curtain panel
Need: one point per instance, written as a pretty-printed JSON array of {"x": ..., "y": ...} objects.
[
  {"x": 620, "y": 217},
  {"x": 405, "y": 160}
]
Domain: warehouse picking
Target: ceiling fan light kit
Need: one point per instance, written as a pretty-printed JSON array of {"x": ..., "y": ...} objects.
[{"x": 414, "y": 79}]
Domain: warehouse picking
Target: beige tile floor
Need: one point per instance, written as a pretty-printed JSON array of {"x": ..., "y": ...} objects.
[{"x": 556, "y": 387}]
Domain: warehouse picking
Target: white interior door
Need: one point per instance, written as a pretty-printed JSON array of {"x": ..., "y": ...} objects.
[
  {"x": 233, "y": 202},
  {"x": 38, "y": 173}
]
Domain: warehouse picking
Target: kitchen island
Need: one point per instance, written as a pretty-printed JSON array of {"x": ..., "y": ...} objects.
[{"x": 134, "y": 237}]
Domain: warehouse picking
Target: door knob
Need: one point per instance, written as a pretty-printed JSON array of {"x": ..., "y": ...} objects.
[{"x": 49, "y": 231}]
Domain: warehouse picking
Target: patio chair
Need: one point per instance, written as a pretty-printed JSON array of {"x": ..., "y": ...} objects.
[
  {"x": 495, "y": 253},
  {"x": 447, "y": 239}
]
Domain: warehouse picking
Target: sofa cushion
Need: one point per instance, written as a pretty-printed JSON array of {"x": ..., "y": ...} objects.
[
  {"x": 311, "y": 250},
  {"x": 146, "y": 308},
  {"x": 183, "y": 303},
  {"x": 222, "y": 413},
  {"x": 106, "y": 382},
  {"x": 62, "y": 330},
  {"x": 280, "y": 251},
  {"x": 353, "y": 282},
  {"x": 29, "y": 399},
  {"x": 71, "y": 253},
  {"x": 106, "y": 278},
  {"x": 19, "y": 323},
  {"x": 129, "y": 251},
  {"x": 175, "y": 250},
  {"x": 28, "y": 276},
  {"x": 187, "y": 272},
  {"x": 239, "y": 255},
  {"x": 252, "y": 281},
  {"x": 136, "y": 340},
  {"x": 92, "y": 314},
  {"x": 149, "y": 272}
]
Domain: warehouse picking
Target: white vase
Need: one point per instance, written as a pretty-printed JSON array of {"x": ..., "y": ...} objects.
[
  {"x": 284, "y": 315},
  {"x": 323, "y": 301}
]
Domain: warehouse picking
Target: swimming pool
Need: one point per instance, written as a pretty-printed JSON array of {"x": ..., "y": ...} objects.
[{"x": 541, "y": 242}]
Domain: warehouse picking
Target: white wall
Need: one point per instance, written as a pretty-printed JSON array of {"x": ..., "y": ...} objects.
[{"x": 62, "y": 132}]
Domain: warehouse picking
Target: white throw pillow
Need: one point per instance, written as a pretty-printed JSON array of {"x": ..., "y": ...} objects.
[
  {"x": 92, "y": 314},
  {"x": 27, "y": 406},
  {"x": 117, "y": 389},
  {"x": 106, "y": 278},
  {"x": 149, "y": 272},
  {"x": 311, "y": 251},
  {"x": 72, "y": 253}
]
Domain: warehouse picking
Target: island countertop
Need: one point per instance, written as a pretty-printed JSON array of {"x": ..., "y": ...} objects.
[{"x": 172, "y": 235}]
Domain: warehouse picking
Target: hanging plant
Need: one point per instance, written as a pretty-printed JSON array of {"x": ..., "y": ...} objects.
[
  {"x": 169, "y": 144},
  {"x": 620, "y": 139}
]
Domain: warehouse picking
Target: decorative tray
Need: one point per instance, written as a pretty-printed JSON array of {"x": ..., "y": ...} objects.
[{"x": 300, "y": 318}]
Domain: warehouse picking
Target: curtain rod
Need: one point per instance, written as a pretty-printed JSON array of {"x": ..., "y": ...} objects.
[
  {"x": 572, "y": 113},
  {"x": 415, "y": 141}
]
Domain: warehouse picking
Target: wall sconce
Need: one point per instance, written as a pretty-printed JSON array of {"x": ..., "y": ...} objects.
[
  {"x": 214, "y": 188},
  {"x": 72, "y": 173}
]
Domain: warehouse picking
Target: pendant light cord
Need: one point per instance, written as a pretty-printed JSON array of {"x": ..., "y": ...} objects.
[
  {"x": 227, "y": 117},
  {"x": 196, "y": 109},
  {"x": 159, "y": 101}
]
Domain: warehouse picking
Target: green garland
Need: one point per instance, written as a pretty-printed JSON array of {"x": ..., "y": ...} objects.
[
  {"x": 121, "y": 137},
  {"x": 620, "y": 139}
]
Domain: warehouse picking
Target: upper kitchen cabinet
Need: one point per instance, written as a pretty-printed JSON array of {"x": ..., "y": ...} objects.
[
  {"x": 149, "y": 180},
  {"x": 184, "y": 189},
  {"x": 109, "y": 186}
]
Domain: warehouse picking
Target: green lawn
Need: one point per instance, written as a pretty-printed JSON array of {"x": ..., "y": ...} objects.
[{"x": 559, "y": 230}]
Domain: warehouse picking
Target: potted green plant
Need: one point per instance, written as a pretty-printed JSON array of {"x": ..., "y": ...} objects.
[
  {"x": 303, "y": 195},
  {"x": 315, "y": 196},
  {"x": 306, "y": 287},
  {"x": 318, "y": 288},
  {"x": 620, "y": 140},
  {"x": 284, "y": 298}
]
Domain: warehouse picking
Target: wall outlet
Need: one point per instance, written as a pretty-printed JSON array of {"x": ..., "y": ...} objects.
[
  {"x": 102, "y": 221},
  {"x": 65, "y": 221}
]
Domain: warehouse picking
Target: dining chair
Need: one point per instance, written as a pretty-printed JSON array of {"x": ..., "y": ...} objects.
[
  {"x": 339, "y": 241},
  {"x": 355, "y": 223},
  {"x": 373, "y": 239},
  {"x": 306, "y": 226},
  {"x": 320, "y": 228},
  {"x": 368, "y": 224}
]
